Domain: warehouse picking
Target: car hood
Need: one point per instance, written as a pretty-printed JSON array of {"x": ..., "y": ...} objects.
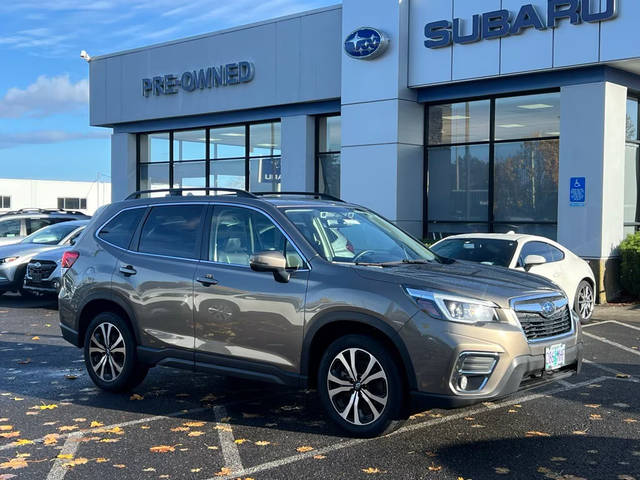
[
  {"x": 456, "y": 277},
  {"x": 10, "y": 241},
  {"x": 23, "y": 249},
  {"x": 52, "y": 255}
]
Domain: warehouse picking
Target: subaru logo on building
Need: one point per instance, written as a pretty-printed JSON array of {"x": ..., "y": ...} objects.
[
  {"x": 548, "y": 309},
  {"x": 365, "y": 43}
]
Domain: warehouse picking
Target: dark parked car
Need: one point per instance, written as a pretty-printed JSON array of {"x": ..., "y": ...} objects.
[
  {"x": 251, "y": 285},
  {"x": 17, "y": 224}
]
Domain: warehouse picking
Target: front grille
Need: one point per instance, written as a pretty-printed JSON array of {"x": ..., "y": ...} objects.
[
  {"x": 43, "y": 271},
  {"x": 536, "y": 326}
]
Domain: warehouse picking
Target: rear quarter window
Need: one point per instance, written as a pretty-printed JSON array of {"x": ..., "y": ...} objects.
[{"x": 120, "y": 229}]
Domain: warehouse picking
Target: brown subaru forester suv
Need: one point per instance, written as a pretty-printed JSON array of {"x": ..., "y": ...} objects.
[{"x": 310, "y": 291}]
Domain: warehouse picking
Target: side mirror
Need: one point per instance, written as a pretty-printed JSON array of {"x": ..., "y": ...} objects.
[
  {"x": 531, "y": 260},
  {"x": 271, "y": 262}
]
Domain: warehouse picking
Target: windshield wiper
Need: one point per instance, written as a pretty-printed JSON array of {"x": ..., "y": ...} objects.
[
  {"x": 392, "y": 264},
  {"x": 415, "y": 262}
]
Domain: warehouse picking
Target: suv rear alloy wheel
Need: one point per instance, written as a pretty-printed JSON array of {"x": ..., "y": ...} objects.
[
  {"x": 110, "y": 354},
  {"x": 360, "y": 386}
]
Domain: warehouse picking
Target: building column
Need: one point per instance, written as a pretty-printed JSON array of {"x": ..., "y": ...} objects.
[
  {"x": 592, "y": 145},
  {"x": 297, "y": 166},
  {"x": 382, "y": 157},
  {"x": 123, "y": 165}
]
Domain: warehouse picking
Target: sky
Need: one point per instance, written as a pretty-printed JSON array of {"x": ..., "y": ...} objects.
[{"x": 44, "y": 89}]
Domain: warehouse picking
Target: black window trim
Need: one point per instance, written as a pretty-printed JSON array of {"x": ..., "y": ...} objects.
[
  {"x": 490, "y": 221},
  {"x": 317, "y": 152}
]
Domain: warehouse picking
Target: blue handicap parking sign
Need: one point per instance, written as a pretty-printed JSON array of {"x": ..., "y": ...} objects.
[{"x": 577, "y": 191}]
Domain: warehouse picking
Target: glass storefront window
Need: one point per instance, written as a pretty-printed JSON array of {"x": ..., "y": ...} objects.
[
  {"x": 189, "y": 145},
  {"x": 459, "y": 183},
  {"x": 509, "y": 181},
  {"x": 632, "y": 168},
  {"x": 465, "y": 122},
  {"x": 265, "y": 174},
  {"x": 157, "y": 147},
  {"x": 265, "y": 139},
  {"x": 227, "y": 174},
  {"x": 529, "y": 116},
  {"x": 526, "y": 181},
  {"x": 227, "y": 142},
  {"x": 329, "y": 135},
  {"x": 230, "y": 153},
  {"x": 633, "y": 114}
]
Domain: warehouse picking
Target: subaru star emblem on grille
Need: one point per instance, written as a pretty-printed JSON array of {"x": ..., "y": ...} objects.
[
  {"x": 365, "y": 43},
  {"x": 37, "y": 264},
  {"x": 548, "y": 309}
]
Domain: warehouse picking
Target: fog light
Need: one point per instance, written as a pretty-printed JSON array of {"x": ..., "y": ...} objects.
[{"x": 463, "y": 382}]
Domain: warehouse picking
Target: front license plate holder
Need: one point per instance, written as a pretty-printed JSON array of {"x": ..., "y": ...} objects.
[{"x": 554, "y": 356}]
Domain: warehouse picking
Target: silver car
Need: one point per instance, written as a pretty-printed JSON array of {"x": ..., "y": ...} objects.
[
  {"x": 17, "y": 224},
  {"x": 14, "y": 258}
]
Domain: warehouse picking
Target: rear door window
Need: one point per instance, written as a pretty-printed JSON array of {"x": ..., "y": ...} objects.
[
  {"x": 10, "y": 228},
  {"x": 35, "y": 224},
  {"x": 173, "y": 231},
  {"x": 121, "y": 228}
]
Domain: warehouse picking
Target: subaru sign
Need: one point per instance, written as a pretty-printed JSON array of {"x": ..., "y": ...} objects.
[
  {"x": 365, "y": 43},
  {"x": 503, "y": 23},
  {"x": 210, "y": 77}
]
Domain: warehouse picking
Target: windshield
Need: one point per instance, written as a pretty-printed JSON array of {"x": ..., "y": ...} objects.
[
  {"x": 353, "y": 235},
  {"x": 481, "y": 250},
  {"x": 51, "y": 235}
]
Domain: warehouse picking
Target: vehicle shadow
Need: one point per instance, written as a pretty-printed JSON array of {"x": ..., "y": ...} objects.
[
  {"x": 14, "y": 300},
  {"x": 555, "y": 457}
]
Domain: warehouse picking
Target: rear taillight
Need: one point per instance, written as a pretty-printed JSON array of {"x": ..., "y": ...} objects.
[{"x": 69, "y": 258}]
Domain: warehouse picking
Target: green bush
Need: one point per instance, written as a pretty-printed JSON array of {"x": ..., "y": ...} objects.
[{"x": 630, "y": 264}]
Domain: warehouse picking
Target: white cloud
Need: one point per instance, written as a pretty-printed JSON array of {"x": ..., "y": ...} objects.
[
  {"x": 46, "y": 96},
  {"x": 9, "y": 140}
]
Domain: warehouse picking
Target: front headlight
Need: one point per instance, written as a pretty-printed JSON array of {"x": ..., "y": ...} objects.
[
  {"x": 453, "y": 308},
  {"x": 7, "y": 260}
]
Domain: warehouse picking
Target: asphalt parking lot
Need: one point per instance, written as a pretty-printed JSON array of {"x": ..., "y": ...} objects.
[{"x": 54, "y": 424}]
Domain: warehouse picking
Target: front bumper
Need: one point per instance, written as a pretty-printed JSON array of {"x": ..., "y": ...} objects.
[{"x": 524, "y": 372}]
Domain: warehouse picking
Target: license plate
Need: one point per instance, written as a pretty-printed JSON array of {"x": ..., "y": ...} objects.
[{"x": 554, "y": 356}]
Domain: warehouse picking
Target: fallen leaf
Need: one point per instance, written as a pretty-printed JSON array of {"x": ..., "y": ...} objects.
[
  {"x": 136, "y": 396},
  {"x": 180, "y": 429},
  {"x": 319, "y": 457},
  {"x": 592, "y": 405},
  {"x": 512, "y": 411},
  {"x": 9, "y": 435},
  {"x": 224, "y": 428},
  {"x": 6, "y": 476},
  {"x": 2, "y": 420},
  {"x": 536, "y": 434},
  {"x": 96, "y": 424},
  {"x": 194, "y": 424},
  {"x": 24, "y": 362},
  {"x": 558, "y": 459},
  {"x": 65, "y": 456},
  {"x": 630, "y": 420},
  {"x": 371, "y": 470},
  {"x": 435, "y": 468},
  {"x": 70, "y": 376},
  {"x": 623, "y": 375},
  {"x": 79, "y": 419},
  {"x": 240, "y": 441},
  {"x": 145, "y": 427},
  {"x": 195, "y": 470},
  {"x": 101, "y": 460},
  {"x": 224, "y": 471},
  {"x": 212, "y": 447},
  {"x": 23, "y": 441},
  {"x": 4, "y": 428},
  {"x": 304, "y": 448},
  {"x": 119, "y": 465},
  {"x": 109, "y": 440},
  {"x": 149, "y": 469},
  {"x": 116, "y": 430},
  {"x": 14, "y": 464},
  {"x": 262, "y": 443},
  {"x": 595, "y": 416},
  {"x": 225, "y": 419},
  {"x": 76, "y": 462},
  {"x": 501, "y": 470},
  {"x": 68, "y": 428},
  {"x": 35, "y": 338},
  {"x": 162, "y": 449},
  {"x": 195, "y": 434},
  {"x": 579, "y": 432},
  {"x": 51, "y": 439}
]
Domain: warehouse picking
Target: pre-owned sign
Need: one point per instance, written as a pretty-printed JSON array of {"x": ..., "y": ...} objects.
[
  {"x": 211, "y": 77},
  {"x": 502, "y": 23}
]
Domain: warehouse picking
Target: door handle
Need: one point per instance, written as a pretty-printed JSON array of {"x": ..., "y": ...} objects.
[
  {"x": 207, "y": 280},
  {"x": 128, "y": 270}
]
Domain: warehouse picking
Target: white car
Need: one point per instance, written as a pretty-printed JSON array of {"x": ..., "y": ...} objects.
[{"x": 529, "y": 253}]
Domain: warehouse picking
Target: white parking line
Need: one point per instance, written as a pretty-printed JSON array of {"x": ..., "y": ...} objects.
[
  {"x": 70, "y": 447},
  {"x": 227, "y": 441},
  {"x": 622, "y": 324},
  {"x": 351, "y": 443},
  {"x": 613, "y": 344}
]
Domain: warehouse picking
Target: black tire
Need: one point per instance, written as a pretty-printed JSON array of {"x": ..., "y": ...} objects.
[
  {"x": 131, "y": 373},
  {"x": 584, "y": 292},
  {"x": 389, "y": 413}
]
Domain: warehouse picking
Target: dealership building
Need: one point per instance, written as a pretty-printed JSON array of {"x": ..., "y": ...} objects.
[{"x": 446, "y": 116}]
